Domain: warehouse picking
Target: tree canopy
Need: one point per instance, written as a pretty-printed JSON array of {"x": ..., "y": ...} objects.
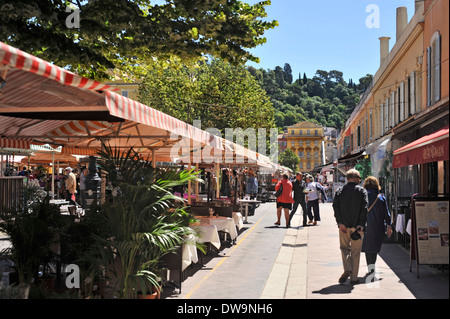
[
  {"x": 326, "y": 98},
  {"x": 125, "y": 35},
  {"x": 289, "y": 159},
  {"x": 217, "y": 93}
]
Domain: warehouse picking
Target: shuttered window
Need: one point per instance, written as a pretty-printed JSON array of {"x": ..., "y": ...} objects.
[
  {"x": 412, "y": 93},
  {"x": 386, "y": 115},
  {"x": 392, "y": 110},
  {"x": 401, "y": 101},
  {"x": 434, "y": 70},
  {"x": 437, "y": 67}
]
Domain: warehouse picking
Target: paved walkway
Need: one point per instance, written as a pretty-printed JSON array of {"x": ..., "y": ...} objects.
[
  {"x": 315, "y": 265},
  {"x": 271, "y": 262}
]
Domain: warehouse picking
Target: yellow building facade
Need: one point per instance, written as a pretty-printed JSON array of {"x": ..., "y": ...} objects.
[
  {"x": 305, "y": 140},
  {"x": 127, "y": 89}
]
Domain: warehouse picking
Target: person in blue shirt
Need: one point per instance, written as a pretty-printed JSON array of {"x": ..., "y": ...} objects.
[{"x": 23, "y": 172}]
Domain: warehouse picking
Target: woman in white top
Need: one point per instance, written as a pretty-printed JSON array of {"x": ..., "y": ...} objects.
[{"x": 312, "y": 199}]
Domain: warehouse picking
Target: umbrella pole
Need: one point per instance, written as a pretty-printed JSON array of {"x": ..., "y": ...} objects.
[
  {"x": 53, "y": 174},
  {"x": 196, "y": 184},
  {"x": 189, "y": 184},
  {"x": 217, "y": 172},
  {"x": 154, "y": 158}
]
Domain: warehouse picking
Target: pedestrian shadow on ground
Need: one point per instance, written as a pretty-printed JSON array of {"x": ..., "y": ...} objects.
[
  {"x": 335, "y": 289},
  {"x": 276, "y": 227}
]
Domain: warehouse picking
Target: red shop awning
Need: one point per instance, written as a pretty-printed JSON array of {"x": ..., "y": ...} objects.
[{"x": 430, "y": 148}]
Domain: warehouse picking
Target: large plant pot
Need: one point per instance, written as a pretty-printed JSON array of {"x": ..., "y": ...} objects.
[
  {"x": 20, "y": 291},
  {"x": 47, "y": 283},
  {"x": 152, "y": 295}
]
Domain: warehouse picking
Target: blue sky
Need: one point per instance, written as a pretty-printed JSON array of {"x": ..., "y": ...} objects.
[{"x": 327, "y": 35}]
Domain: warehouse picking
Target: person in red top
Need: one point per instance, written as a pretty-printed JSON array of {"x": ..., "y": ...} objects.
[{"x": 285, "y": 200}]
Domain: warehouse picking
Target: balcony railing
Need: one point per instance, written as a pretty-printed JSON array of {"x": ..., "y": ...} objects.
[{"x": 305, "y": 135}]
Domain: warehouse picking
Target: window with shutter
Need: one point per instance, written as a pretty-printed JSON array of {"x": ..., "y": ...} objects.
[
  {"x": 402, "y": 101},
  {"x": 382, "y": 119},
  {"x": 437, "y": 68},
  {"x": 366, "y": 133},
  {"x": 358, "y": 136},
  {"x": 434, "y": 70},
  {"x": 386, "y": 115},
  {"x": 392, "y": 109},
  {"x": 428, "y": 76},
  {"x": 398, "y": 106},
  {"x": 412, "y": 93}
]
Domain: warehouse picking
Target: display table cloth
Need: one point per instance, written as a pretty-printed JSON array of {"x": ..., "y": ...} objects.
[
  {"x": 207, "y": 234},
  {"x": 189, "y": 253},
  {"x": 237, "y": 217}
]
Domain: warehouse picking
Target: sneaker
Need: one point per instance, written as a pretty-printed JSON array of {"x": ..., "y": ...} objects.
[
  {"x": 315, "y": 223},
  {"x": 310, "y": 222}
]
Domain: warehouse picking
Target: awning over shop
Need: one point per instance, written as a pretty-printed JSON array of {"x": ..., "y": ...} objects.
[
  {"x": 430, "y": 148},
  {"x": 378, "y": 148},
  {"x": 12, "y": 143},
  {"x": 354, "y": 156}
]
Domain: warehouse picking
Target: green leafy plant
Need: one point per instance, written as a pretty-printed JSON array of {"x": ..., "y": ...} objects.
[
  {"x": 31, "y": 228},
  {"x": 126, "y": 35},
  {"x": 144, "y": 222},
  {"x": 363, "y": 166}
]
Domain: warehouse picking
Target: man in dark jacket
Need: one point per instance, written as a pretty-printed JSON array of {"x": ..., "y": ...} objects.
[
  {"x": 350, "y": 210},
  {"x": 299, "y": 197}
]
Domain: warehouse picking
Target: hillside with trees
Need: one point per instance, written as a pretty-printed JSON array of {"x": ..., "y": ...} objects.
[{"x": 326, "y": 98}]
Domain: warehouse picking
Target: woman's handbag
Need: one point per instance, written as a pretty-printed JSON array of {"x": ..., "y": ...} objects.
[{"x": 279, "y": 191}]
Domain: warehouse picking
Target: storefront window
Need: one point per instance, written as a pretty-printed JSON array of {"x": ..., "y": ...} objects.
[{"x": 407, "y": 181}]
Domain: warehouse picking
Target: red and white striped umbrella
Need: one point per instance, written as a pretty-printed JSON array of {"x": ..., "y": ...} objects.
[
  {"x": 45, "y": 103},
  {"x": 21, "y": 60}
]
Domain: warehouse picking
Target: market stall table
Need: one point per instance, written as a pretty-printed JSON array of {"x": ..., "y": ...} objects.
[
  {"x": 237, "y": 217},
  {"x": 189, "y": 253},
  {"x": 207, "y": 233},
  {"x": 246, "y": 203},
  {"x": 222, "y": 223},
  {"x": 59, "y": 202}
]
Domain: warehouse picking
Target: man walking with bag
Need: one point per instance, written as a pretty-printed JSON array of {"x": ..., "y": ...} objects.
[
  {"x": 299, "y": 197},
  {"x": 350, "y": 210}
]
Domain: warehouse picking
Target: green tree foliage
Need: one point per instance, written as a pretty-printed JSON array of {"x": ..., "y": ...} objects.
[
  {"x": 127, "y": 34},
  {"x": 217, "y": 93},
  {"x": 288, "y": 73},
  {"x": 289, "y": 159},
  {"x": 325, "y": 99},
  {"x": 364, "y": 167}
]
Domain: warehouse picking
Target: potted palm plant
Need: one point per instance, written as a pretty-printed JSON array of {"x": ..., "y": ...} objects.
[
  {"x": 31, "y": 228},
  {"x": 145, "y": 221}
]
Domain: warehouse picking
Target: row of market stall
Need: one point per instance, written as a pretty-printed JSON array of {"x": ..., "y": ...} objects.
[
  {"x": 50, "y": 115},
  {"x": 55, "y": 118}
]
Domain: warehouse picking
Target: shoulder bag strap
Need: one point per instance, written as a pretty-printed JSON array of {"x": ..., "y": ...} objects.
[{"x": 373, "y": 203}]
